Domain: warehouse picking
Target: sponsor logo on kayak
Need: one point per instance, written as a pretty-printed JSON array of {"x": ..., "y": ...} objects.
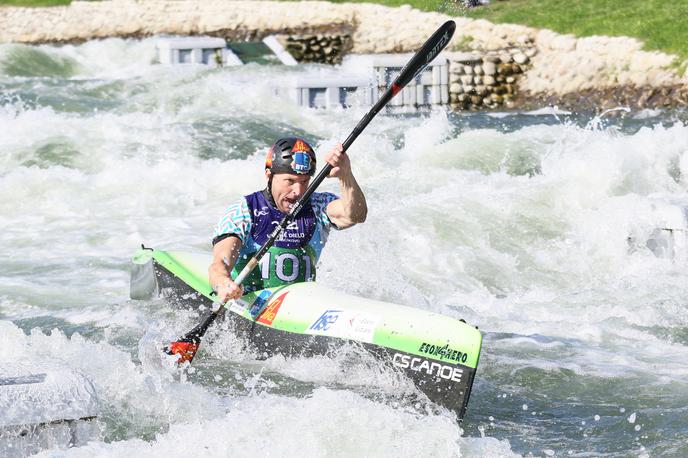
[
  {"x": 259, "y": 303},
  {"x": 422, "y": 365},
  {"x": 238, "y": 306},
  {"x": 325, "y": 322},
  {"x": 268, "y": 315},
  {"x": 345, "y": 324},
  {"x": 443, "y": 352}
]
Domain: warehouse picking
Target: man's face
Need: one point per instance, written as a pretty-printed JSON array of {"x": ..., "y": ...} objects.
[{"x": 287, "y": 188}]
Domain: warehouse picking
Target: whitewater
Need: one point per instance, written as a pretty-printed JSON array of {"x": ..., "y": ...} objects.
[{"x": 531, "y": 226}]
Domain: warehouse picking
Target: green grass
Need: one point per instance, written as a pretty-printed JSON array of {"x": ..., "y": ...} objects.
[
  {"x": 32, "y": 3},
  {"x": 424, "y": 5},
  {"x": 660, "y": 24}
]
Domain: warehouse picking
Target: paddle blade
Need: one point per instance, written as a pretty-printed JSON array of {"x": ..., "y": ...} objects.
[
  {"x": 185, "y": 351},
  {"x": 187, "y": 346},
  {"x": 430, "y": 49}
]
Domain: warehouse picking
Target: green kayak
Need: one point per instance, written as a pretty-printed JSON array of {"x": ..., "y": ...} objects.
[{"x": 438, "y": 353}]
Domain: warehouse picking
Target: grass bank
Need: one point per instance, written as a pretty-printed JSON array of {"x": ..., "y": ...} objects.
[{"x": 656, "y": 22}]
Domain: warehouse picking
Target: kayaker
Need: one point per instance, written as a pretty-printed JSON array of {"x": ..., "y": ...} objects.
[{"x": 246, "y": 225}]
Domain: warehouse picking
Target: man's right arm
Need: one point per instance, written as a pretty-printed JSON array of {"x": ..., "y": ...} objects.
[{"x": 225, "y": 254}]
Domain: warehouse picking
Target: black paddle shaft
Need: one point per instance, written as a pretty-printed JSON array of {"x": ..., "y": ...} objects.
[{"x": 430, "y": 49}]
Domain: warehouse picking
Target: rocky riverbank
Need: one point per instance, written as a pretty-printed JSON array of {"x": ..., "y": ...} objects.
[{"x": 559, "y": 69}]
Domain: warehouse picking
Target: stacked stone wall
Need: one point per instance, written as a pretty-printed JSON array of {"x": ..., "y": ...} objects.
[
  {"x": 322, "y": 49},
  {"x": 489, "y": 80}
]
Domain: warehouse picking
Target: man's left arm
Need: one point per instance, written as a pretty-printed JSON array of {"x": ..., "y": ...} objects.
[{"x": 351, "y": 207}]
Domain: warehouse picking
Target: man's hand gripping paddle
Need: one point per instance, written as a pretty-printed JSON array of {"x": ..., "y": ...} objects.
[{"x": 187, "y": 346}]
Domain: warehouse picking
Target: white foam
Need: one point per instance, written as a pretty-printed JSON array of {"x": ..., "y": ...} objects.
[
  {"x": 125, "y": 391},
  {"x": 554, "y": 110},
  {"x": 322, "y": 424}
]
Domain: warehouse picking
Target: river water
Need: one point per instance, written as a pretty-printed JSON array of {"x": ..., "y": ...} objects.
[{"x": 532, "y": 226}]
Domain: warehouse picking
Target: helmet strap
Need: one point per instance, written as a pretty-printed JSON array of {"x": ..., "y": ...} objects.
[{"x": 268, "y": 192}]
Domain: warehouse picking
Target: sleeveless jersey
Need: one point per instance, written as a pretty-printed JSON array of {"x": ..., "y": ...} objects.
[{"x": 294, "y": 254}]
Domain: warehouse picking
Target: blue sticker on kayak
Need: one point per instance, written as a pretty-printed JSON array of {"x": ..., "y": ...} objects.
[
  {"x": 325, "y": 321},
  {"x": 346, "y": 324},
  {"x": 259, "y": 304}
]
